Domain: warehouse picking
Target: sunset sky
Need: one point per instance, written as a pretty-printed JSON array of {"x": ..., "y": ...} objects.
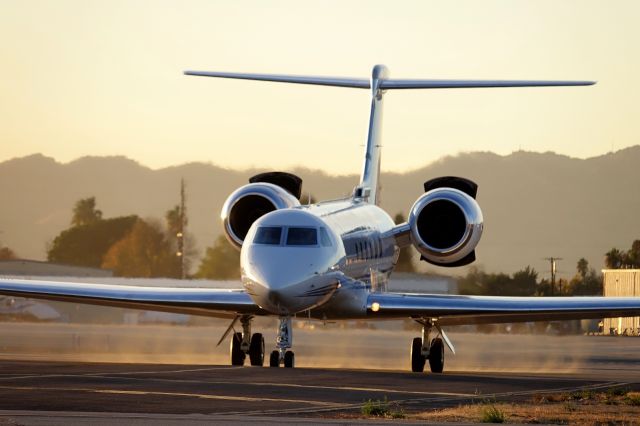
[{"x": 84, "y": 77}]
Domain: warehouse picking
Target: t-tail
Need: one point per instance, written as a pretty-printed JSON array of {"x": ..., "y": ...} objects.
[{"x": 369, "y": 186}]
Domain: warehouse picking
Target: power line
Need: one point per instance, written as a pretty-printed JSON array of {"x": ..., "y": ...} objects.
[
  {"x": 182, "y": 228},
  {"x": 552, "y": 262}
]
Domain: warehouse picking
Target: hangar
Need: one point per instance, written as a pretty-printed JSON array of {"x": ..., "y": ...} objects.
[{"x": 621, "y": 283}]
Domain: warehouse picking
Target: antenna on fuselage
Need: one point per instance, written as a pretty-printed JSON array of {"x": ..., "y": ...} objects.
[{"x": 368, "y": 188}]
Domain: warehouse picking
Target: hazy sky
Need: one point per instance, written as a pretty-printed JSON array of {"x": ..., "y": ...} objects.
[{"x": 82, "y": 77}]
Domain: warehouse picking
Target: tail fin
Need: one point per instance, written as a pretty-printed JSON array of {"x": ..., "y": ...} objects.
[{"x": 368, "y": 188}]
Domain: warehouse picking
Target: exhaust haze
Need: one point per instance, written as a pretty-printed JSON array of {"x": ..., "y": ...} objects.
[{"x": 328, "y": 346}]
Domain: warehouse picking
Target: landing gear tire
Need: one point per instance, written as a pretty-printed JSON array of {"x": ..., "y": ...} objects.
[
  {"x": 256, "y": 350},
  {"x": 436, "y": 356},
  {"x": 274, "y": 359},
  {"x": 289, "y": 359},
  {"x": 417, "y": 359},
  {"x": 237, "y": 355}
]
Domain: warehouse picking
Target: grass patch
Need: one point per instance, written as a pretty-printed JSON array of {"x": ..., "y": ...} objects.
[
  {"x": 570, "y": 406},
  {"x": 633, "y": 398},
  {"x": 592, "y": 414},
  {"x": 617, "y": 391},
  {"x": 583, "y": 395},
  {"x": 382, "y": 408},
  {"x": 620, "y": 406},
  {"x": 375, "y": 408},
  {"x": 492, "y": 414}
]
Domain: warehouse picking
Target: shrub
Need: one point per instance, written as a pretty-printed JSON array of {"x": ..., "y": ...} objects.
[
  {"x": 376, "y": 408},
  {"x": 617, "y": 391},
  {"x": 633, "y": 398},
  {"x": 492, "y": 414},
  {"x": 583, "y": 395},
  {"x": 382, "y": 408}
]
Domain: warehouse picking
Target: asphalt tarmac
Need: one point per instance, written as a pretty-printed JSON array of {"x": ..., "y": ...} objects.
[
  {"x": 45, "y": 376},
  {"x": 255, "y": 391}
]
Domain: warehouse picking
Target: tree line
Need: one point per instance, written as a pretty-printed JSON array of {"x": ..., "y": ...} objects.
[
  {"x": 620, "y": 259},
  {"x": 134, "y": 247},
  {"x": 128, "y": 245},
  {"x": 586, "y": 282}
]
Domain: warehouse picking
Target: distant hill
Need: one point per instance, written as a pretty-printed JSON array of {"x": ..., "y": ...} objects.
[{"x": 535, "y": 205}]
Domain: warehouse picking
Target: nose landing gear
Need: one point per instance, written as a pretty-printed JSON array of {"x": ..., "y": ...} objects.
[
  {"x": 284, "y": 341},
  {"x": 245, "y": 343}
]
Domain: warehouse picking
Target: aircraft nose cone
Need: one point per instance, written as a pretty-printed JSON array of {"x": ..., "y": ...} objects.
[
  {"x": 287, "y": 285},
  {"x": 286, "y": 275}
]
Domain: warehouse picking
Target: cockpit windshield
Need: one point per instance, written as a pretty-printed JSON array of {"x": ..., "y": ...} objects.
[
  {"x": 268, "y": 235},
  {"x": 302, "y": 237},
  {"x": 324, "y": 238}
]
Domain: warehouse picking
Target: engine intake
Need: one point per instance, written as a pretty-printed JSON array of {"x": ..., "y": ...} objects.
[
  {"x": 248, "y": 203},
  {"x": 445, "y": 227}
]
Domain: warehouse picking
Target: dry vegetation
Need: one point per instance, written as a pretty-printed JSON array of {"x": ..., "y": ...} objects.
[{"x": 616, "y": 406}]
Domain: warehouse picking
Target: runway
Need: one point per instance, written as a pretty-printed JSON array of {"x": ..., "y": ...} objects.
[{"x": 45, "y": 376}]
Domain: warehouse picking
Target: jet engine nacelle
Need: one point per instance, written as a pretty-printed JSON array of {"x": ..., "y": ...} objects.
[
  {"x": 246, "y": 204},
  {"x": 445, "y": 226}
]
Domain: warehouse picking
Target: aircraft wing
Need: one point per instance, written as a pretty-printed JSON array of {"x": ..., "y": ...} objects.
[
  {"x": 460, "y": 310},
  {"x": 221, "y": 303}
]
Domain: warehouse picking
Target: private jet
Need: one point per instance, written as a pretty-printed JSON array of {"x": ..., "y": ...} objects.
[{"x": 328, "y": 260}]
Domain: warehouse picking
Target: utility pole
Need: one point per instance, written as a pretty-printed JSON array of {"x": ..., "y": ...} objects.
[
  {"x": 552, "y": 261},
  {"x": 181, "y": 231}
]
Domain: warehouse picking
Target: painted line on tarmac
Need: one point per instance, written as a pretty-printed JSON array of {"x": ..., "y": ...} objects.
[
  {"x": 123, "y": 373},
  {"x": 173, "y": 394},
  {"x": 288, "y": 385},
  {"x": 412, "y": 401},
  {"x": 227, "y": 382}
]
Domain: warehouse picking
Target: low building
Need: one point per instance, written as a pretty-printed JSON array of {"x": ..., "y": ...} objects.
[
  {"x": 621, "y": 283},
  {"x": 36, "y": 268},
  {"x": 17, "y": 308},
  {"x": 402, "y": 282}
]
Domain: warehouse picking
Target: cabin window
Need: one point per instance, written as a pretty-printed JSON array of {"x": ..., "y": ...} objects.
[
  {"x": 268, "y": 235},
  {"x": 324, "y": 238},
  {"x": 302, "y": 237}
]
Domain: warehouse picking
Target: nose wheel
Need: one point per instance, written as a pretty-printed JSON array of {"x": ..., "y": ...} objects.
[
  {"x": 289, "y": 359},
  {"x": 284, "y": 341}
]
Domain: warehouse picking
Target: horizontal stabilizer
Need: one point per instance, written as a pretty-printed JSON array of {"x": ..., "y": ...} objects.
[
  {"x": 468, "y": 84},
  {"x": 388, "y": 84},
  {"x": 322, "y": 81}
]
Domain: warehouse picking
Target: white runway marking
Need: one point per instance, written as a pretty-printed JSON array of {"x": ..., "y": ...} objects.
[
  {"x": 174, "y": 394},
  {"x": 228, "y": 382},
  {"x": 115, "y": 373},
  {"x": 492, "y": 396}
]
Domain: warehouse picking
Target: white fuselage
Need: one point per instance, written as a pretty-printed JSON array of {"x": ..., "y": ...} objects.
[{"x": 298, "y": 259}]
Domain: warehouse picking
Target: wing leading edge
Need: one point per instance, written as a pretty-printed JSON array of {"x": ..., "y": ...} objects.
[
  {"x": 461, "y": 310},
  {"x": 197, "y": 301}
]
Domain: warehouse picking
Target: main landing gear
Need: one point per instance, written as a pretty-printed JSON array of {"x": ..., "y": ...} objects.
[
  {"x": 245, "y": 343},
  {"x": 284, "y": 341},
  {"x": 423, "y": 349}
]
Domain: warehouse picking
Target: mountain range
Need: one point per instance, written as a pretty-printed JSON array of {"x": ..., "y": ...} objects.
[{"x": 535, "y": 205}]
